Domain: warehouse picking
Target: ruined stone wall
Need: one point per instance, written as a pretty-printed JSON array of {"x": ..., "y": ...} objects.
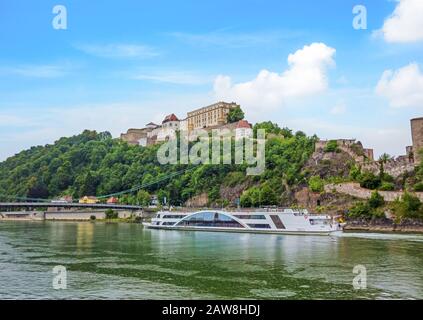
[
  {"x": 133, "y": 136},
  {"x": 394, "y": 167},
  {"x": 354, "y": 189}
]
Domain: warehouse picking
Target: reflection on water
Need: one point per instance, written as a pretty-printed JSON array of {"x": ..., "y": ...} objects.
[{"x": 127, "y": 261}]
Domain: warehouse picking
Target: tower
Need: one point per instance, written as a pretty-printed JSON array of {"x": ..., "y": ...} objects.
[{"x": 417, "y": 137}]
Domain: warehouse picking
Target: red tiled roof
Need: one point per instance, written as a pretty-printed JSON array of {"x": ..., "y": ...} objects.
[
  {"x": 243, "y": 124},
  {"x": 112, "y": 200},
  {"x": 170, "y": 117}
]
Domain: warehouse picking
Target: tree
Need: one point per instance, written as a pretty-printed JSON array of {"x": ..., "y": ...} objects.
[
  {"x": 163, "y": 197},
  {"x": 383, "y": 159},
  {"x": 214, "y": 194},
  {"x": 235, "y": 114},
  {"x": 408, "y": 207},
  {"x": 110, "y": 214},
  {"x": 331, "y": 146},
  {"x": 376, "y": 200},
  {"x": 143, "y": 198},
  {"x": 369, "y": 181},
  {"x": 37, "y": 189},
  {"x": 316, "y": 184},
  {"x": 251, "y": 197},
  {"x": 272, "y": 128},
  {"x": 268, "y": 195},
  {"x": 360, "y": 210}
]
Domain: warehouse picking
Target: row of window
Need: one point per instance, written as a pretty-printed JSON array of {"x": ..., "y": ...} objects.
[
  {"x": 250, "y": 217},
  {"x": 259, "y": 226},
  {"x": 210, "y": 219},
  {"x": 173, "y": 216}
]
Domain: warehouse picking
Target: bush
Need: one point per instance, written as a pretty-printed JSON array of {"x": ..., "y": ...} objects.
[
  {"x": 369, "y": 181},
  {"x": 387, "y": 186},
  {"x": 316, "y": 184},
  {"x": 360, "y": 210},
  {"x": 409, "y": 207},
  {"x": 418, "y": 187},
  {"x": 376, "y": 200},
  {"x": 331, "y": 146},
  {"x": 257, "y": 196},
  {"x": 92, "y": 218},
  {"x": 387, "y": 177},
  {"x": 412, "y": 203},
  {"x": 110, "y": 214},
  {"x": 355, "y": 173}
]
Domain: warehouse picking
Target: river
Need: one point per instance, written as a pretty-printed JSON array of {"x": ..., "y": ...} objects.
[{"x": 127, "y": 261}]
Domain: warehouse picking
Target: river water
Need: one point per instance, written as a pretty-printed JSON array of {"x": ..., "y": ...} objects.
[{"x": 127, "y": 261}]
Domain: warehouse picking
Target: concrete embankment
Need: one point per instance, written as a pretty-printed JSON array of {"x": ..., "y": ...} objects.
[
  {"x": 78, "y": 215},
  {"x": 385, "y": 225}
]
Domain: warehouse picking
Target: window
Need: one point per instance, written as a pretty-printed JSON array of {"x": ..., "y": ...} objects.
[
  {"x": 168, "y": 223},
  {"x": 173, "y": 217},
  {"x": 319, "y": 222},
  {"x": 259, "y": 226},
  {"x": 277, "y": 221},
  {"x": 210, "y": 219},
  {"x": 250, "y": 217}
]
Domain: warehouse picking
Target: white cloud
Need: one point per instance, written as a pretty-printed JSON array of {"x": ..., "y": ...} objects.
[
  {"x": 306, "y": 75},
  {"x": 175, "y": 77},
  {"x": 405, "y": 24},
  {"x": 403, "y": 87},
  {"x": 35, "y": 71},
  {"x": 118, "y": 50},
  {"x": 339, "y": 109},
  {"x": 25, "y": 128}
]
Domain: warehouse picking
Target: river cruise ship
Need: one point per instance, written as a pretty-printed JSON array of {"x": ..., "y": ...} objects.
[{"x": 284, "y": 221}]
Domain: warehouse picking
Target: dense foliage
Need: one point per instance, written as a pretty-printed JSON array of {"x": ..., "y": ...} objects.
[
  {"x": 95, "y": 164},
  {"x": 372, "y": 208},
  {"x": 235, "y": 114},
  {"x": 331, "y": 146}
]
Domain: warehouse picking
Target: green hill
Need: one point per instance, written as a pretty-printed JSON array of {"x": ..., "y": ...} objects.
[{"x": 94, "y": 163}]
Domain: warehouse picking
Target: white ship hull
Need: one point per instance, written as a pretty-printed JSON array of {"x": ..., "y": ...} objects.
[{"x": 286, "y": 221}]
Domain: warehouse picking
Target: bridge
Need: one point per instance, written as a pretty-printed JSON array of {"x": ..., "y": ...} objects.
[{"x": 67, "y": 205}]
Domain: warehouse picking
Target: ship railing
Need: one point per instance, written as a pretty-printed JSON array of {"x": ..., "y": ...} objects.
[{"x": 295, "y": 211}]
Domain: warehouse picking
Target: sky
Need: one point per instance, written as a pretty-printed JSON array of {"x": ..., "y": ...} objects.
[{"x": 310, "y": 65}]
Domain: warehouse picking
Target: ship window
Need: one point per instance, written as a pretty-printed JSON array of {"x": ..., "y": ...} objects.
[
  {"x": 210, "y": 219},
  {"x": 319, "y": 222},
  {"x": 259, "y": 226},
  {"x": 250, "y": 217},
  {"x": 173, "y": 216},
  {"x": 277, "y": 221},
  {"x": 168, "y": 223}
]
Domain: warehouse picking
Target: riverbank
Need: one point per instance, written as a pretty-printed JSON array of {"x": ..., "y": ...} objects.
[{"x": 385, "y": 225}]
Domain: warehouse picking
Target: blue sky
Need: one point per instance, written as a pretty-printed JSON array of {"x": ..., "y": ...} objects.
[{"x": 121, "y": 64}]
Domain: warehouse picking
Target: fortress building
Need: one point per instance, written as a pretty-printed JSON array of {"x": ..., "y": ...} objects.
[
  {"x": 417, "y": 138},
  {"x": 209, "y": 117},
  {"x": 394, "y": 166}
]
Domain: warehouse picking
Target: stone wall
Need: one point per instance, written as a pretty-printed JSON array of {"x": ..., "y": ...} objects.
[
  {"x": 394, "y": 167},
  {"x": 82, "y": 215},
  {"x": 133, "y": 136},
  {"x": 354, "y": 189}
]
